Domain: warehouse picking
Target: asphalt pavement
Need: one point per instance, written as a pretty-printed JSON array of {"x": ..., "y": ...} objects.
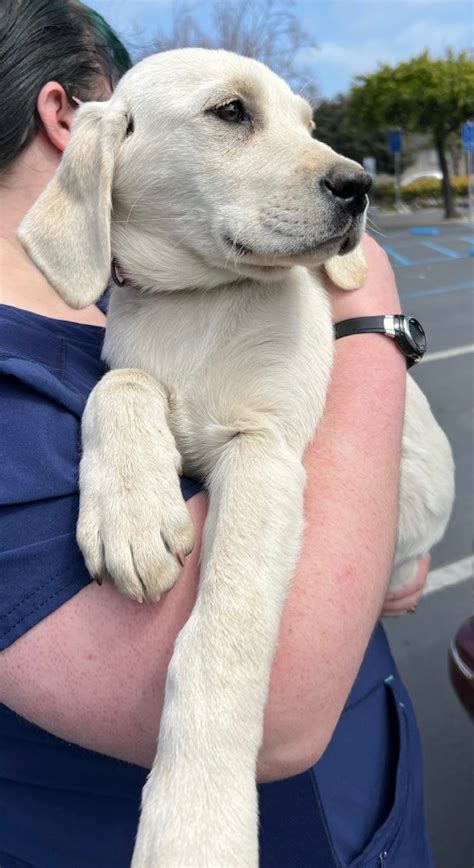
[{"x": 435, "y": 276}]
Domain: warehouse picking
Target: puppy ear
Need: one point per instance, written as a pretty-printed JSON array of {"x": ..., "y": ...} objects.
[
  {"x": 349, "y": 271},
  {"x": 67, "y": 231}
]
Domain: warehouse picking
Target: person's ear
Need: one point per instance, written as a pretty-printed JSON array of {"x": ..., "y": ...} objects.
[{"x": 56, "y": 113}]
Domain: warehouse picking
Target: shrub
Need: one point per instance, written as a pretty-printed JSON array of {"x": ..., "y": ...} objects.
[{"x": 425, "y": 191}]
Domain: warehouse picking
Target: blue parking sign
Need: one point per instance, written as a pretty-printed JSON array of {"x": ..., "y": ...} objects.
[
  {"x": 468, "y": 136},
  {"x": 395, "y": 141}
]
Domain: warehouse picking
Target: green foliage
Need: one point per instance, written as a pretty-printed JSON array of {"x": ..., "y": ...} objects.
[
  {"x": 420, "y": 95},
  {"x": 335, "y": 128}
]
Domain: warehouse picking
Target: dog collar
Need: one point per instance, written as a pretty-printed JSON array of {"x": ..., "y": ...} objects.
[{"x": 117, "y": 273}]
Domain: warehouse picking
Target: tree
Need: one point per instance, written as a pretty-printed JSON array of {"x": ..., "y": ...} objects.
[
  {"x": 420, "y": 95},
  {"x": 267, "y": 30},
  {"x": 334, "y": 128}
]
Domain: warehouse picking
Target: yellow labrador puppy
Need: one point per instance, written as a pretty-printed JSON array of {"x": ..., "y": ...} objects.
[{"x": 201, "y": 179}]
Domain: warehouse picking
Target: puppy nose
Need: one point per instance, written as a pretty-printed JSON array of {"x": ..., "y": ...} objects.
[{"x": 349, "y": 186}]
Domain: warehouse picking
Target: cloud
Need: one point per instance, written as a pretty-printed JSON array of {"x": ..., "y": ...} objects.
[
  {"x": 436, "y": 37},
  {"x": 334, "y": 64},
  {"x": 408, "y": 3},
  {"x": 434, "y": 2}
]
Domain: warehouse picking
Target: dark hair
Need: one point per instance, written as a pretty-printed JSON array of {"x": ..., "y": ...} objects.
[{"x": 50, "y": 40}]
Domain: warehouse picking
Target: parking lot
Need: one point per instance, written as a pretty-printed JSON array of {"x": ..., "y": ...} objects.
[{"x": 435, "y": 280}]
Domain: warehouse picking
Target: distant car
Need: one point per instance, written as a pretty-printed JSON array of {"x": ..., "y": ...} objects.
[
  {"x": 461, "y": 664},
  {"x": 419, "y": 176}
]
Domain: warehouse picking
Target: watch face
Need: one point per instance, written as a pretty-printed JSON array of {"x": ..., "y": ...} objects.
[{"x": 417, "y": 334}]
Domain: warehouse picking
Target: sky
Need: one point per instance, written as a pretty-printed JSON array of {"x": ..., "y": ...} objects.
[{"x": 345, "y": 37}]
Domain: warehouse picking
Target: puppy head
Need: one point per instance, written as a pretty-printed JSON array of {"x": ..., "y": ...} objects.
[{"x": 200, "y": 170}]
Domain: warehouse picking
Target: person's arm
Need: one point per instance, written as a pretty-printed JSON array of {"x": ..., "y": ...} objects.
[
  {"x": 94, "y": 671},
  {"x": 353, "y": 471}
]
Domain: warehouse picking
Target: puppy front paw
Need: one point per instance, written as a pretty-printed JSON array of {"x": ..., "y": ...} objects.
[{"x": 137, "y": 535}]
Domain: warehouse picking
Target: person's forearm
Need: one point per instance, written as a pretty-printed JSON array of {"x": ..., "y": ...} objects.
[
  {"x": 351, "y": 515},
  {"x": 94, "y": 671}
]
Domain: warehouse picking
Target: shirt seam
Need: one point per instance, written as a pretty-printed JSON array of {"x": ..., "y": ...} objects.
[
  {"x": 32, "y": 593},
  {"x": 17, "y": 357},
  {"x": 11, "y": 628}
]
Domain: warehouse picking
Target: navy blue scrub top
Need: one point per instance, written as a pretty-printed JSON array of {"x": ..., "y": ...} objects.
[{"x": 65, "y": 807}]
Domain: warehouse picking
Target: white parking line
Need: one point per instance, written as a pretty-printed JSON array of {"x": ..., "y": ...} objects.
[
  {"x": 451, "y": 574},
  {"x": 448, "y": 354}
]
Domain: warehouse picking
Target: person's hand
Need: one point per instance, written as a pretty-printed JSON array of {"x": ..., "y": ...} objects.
[
  {"x": 378, "y": 295},
  {"x": 406, "y": 599}
]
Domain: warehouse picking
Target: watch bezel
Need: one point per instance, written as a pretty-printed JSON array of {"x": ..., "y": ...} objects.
[
  {"x": 413, "y": 349},
  {"x": 406, "y": 321}
]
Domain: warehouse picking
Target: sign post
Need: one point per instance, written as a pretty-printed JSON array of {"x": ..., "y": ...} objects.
[
  {"x": 370, "y": 166},
  {"x": 395, "y": 148},
  {"x": 468, "y": 145}
]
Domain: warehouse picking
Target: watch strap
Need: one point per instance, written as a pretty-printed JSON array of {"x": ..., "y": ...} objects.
[
  {"x": 361, "y": 325},
  {"x": 394, "y": 325}
]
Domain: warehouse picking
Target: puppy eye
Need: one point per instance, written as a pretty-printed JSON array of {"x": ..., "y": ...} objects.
[{"x": 233, "y": 112}]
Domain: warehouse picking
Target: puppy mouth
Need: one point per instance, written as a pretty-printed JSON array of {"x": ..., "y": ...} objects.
[
  {"x": 343, "y": 243},
  {"x": 240, "y": 249},
  {"x": 350, "y": 241}
]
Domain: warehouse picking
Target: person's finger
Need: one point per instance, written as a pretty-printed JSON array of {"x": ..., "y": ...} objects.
[{"x": 401, "y": 607}]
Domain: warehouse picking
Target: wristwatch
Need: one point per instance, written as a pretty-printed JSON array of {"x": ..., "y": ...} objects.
[{"x": 406, "y": 331}]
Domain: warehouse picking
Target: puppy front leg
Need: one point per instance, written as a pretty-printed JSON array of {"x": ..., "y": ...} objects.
[
  {"x": 133, "y": 522},
  {"x": 200, "y": 803}
]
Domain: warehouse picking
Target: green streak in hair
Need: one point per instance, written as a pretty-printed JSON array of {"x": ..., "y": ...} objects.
[{"x": 100, "y": 26}]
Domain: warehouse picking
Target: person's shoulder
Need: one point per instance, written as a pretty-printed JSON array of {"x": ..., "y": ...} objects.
[
  {"x": 57, "y": 360},
  {"x": 23, "y": 336},
  {"x": 47, "y": 370}
]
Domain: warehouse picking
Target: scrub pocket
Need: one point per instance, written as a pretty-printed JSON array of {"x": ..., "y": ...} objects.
[
  {"x": 384, "y": 850},
  {"x": 400, "y": 841},
  {"x": 361, "y": 805}
]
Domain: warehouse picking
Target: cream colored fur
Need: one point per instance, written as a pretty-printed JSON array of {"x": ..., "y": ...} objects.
[{"x": 223, "y": 360}]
